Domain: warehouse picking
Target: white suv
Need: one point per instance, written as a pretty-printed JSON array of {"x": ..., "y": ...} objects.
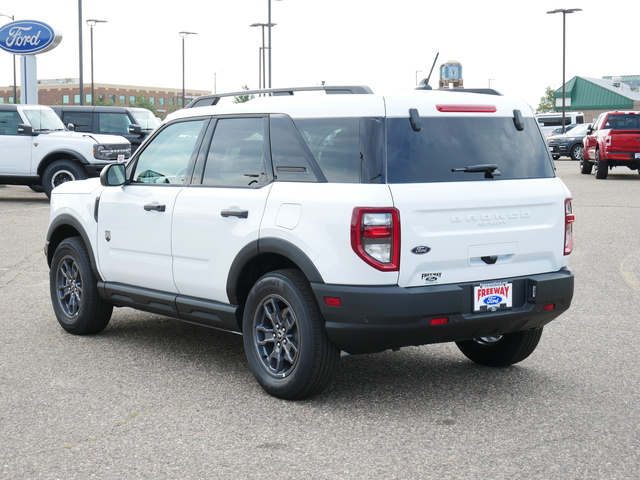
[{"x": 316, "y": 223}]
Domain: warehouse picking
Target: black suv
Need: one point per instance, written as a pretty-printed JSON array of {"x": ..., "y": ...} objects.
[{"x": 131, "y": 122}]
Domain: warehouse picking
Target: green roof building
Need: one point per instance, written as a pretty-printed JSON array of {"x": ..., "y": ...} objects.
[{"x": 594, "y": 96}]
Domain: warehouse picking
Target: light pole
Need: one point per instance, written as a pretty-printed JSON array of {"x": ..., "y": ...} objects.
[
  {"x": 269, "y": 25},
  {"x": 184, "y": 35},
  {"x": 81, "y": 76},
  {"x": 564, "y": 12},
  {"x": 15, "y": 91},
  {"x": 215, "y": 81},
  {"x": 261, "y": 59},
  {"x": 418, "y": 71},
  {"x": 93, "y": 22}
]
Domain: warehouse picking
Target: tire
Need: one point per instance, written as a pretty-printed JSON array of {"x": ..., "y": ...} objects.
[
  {"x": 36, "y": 188},
  {"x": 74, "y": 292},
  {"x": 602, "y": 169},
  {"x": 502, "y": 350},
  {"x": 61, "y": 171},
  {"x": 586, "y": 166},
  {"x": 577, "y": 152},
  {"x": 285, "y": 341},
  {"x": 556, "y": 157}
]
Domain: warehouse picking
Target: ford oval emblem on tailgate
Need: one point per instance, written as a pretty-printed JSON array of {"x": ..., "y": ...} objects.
[{"x": 421, "y": 250}]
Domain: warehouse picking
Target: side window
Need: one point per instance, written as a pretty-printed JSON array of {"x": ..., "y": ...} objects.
[
  {"x": 166, "y": 158},
  {"x": 114, "y": 123},
  {"x": 292, "y": 161},
  {"x": 236, "y": 156},
  {"x": 82, "y": 121},
  {"x": 9, "y": 122}
]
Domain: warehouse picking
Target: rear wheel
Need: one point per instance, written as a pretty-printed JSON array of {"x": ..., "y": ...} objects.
[
  {"x": 285, "y": 341},
  {"x": 602, "y": 167},
  {"x": 61, "y": 171},
  {"x": 585, "y": 166},
  {"x": 74, "y": 291},
  {"x": 501, "y": 350}
]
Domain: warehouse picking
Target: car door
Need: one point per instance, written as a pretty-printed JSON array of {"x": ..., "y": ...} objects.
[
  {"x": 15, "y": 149},
  {"x": 134, "y": 221},
  {"x": 219, "y": 216},
  {"x": 590, "y": 140}
]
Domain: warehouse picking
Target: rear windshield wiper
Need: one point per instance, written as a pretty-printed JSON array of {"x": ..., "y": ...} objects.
[{"x": 490, "y": 169}]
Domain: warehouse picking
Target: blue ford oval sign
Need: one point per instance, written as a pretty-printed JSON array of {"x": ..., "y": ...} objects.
[{"x": 28, "y": 37}]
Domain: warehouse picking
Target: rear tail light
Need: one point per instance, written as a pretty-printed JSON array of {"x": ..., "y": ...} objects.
[
  {"x": 375, "y": 237},
  {"x": 569, "y": 218}
]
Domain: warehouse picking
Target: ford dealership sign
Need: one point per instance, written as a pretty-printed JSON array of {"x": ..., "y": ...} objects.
[{"x": 28, "y": 37}]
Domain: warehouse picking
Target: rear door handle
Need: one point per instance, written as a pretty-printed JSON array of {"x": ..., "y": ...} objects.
[
  {"x": 157, "y": 208},
  {"x": 235, "y": 213}
]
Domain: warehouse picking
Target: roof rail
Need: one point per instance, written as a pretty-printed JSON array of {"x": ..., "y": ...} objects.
[{"x": 213, "y": 99}]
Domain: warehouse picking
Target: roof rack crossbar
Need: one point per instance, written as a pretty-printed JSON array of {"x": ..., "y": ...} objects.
[{"x": 207, "y": 100}]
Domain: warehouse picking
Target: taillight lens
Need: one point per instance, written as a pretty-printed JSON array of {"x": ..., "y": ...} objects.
[
  {"x": 375, "y": 237},
  {"x": 569, "y": 218}
]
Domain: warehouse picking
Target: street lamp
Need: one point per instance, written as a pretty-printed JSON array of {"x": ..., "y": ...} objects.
[
  {"x": 92, "y": 22},
  {"x": 564, "y": 12},
  {"x": 184, "y": 35},
  {"x": 269, "y": 25},
  {"x": 15, "y": 91},
  {"x": 261, "y": 59}
]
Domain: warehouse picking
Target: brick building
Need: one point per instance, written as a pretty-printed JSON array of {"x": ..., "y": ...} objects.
[{"x": 66, "y": 91}]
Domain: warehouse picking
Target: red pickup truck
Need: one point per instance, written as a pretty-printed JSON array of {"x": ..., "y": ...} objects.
[{"x": 613, "y": 140}]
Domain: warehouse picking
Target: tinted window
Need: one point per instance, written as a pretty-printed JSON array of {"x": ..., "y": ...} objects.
[
  {"x": 623, "y": 122},
  {"x": 236, "y": 155},
  {"x": 166, "y": 158},
  {"x": 82, "y": 121},
  {"x": 334, "y": 143},
  {"x": 9, "y": 122},
  {"x": 114, "y": 123},
  {"x": 292, "y": 161},
  {"x": 445, "y": 143}
]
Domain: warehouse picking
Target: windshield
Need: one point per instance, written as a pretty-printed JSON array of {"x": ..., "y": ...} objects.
[
  {"x": 579, "y": 130},
  {"x": 447, "y": 143},
  {"x": 145, "y": 119},
  {"x": 43, "y": 119}
]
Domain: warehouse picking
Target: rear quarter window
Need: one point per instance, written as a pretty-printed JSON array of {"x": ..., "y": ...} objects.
[{"x": 447, "y": 143}]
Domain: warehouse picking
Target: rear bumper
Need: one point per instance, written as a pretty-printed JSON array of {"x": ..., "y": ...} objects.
[{"x": 376, "y": 318}]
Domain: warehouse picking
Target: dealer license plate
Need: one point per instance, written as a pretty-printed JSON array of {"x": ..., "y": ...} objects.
[
  {"x": 638, "y": 155},
  {"x": 491, "y": 297}
]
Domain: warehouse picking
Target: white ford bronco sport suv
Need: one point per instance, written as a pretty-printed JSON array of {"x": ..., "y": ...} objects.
[
  {"x": 36, "y": 149},
  {"x": 315, "y": 224}
]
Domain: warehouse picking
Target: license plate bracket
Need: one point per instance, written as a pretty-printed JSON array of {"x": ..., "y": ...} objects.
[{"x": 491, "y": 297}]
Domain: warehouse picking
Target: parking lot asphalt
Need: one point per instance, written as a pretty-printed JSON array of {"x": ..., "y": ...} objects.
[{"x": 155, "y": 398}]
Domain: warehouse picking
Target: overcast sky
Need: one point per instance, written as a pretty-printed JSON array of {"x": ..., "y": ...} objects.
[{"x": 511, "y": 44}]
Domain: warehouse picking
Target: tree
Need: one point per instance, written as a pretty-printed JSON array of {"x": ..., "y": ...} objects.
[
  {"x": 142, "y": 102},
  {"x": 547, "y": 103},
  {"x": 243, "y": 98}
]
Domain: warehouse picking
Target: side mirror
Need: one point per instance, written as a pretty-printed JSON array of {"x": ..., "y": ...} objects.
[
  {"x": 113, "y": 175},
  {"x": 135, "y": 129},
  {"x": 71, "y": 127},
  {"x": 590, "y": 129},
  {"x": 24, "y": 129}
]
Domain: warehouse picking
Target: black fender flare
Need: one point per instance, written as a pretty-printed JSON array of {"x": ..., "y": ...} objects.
[{"x": 58, "y": 231}]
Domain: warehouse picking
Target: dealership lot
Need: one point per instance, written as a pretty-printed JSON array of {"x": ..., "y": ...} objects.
[{"x": 151, "y": 397}]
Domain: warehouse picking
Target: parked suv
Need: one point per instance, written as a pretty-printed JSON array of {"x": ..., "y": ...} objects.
[
  {"x": 36, "y": 150},
  {"x": 133, "y": 123},
  {"x": 314, "y": 224}
]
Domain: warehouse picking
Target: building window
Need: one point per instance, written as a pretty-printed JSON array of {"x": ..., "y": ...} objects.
[
  {"x": 123, "y": 99},
  {"x": 112, "y": 99},
  {"x": 65, "y": 99},
  {"x": 1, "y": 99},
  {"x": 179, "y": 103},
  {"x": 152, "y": 100},
  {"x": 76, "y": 98},
  {"x": 171, "y": 102},
  {"x": 161, "y": 101},
  {"x": 132, "y": 99},
  {"x": 87, "y": 98}
]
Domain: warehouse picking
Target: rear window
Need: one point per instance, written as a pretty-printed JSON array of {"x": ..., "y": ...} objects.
[{"x": 447, "y": 143}]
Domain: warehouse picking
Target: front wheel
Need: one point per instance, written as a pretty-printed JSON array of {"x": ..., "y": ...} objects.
[
  {"x": 577, "y": 152},
  {"x": 501, "y": 350},
  {"x": 61, "y": 171},
  {"x": 285, "y": 341},
  {"x": 74, "y": 291}
]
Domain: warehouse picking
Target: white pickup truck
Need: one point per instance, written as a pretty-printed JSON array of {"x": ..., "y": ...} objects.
[{"x": 36, "y": 150}]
